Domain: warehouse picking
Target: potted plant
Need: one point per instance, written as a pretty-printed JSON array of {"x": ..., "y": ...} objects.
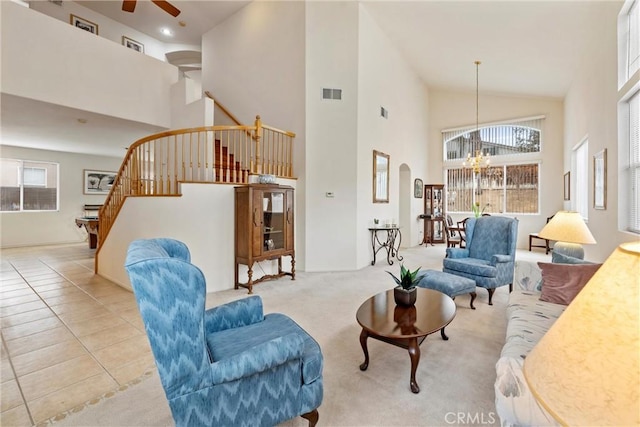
[
  {"x": 405, "y": 292},
  {"x": 475, "y": 208}
]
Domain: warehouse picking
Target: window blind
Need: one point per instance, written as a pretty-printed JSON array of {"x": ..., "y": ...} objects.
[
  {"x": 634, "y": 163},
  {"x": 633, "y": 43},
  {"x": 504, "y": 138}
]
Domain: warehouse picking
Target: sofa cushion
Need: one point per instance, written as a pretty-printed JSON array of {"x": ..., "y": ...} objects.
[
  {"x": 515, "y": 403},
  {"x": 230, "y": 342},
  {"x": 528, "y": 320},
  {"x": 562, "y": 282},
  {"x": 527, "y": 276},
  {"x": 472, "y": 266}
]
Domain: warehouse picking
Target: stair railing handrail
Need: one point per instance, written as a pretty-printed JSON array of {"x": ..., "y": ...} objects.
[
  {"x": 223, "y": 108},
  {"x": 157, "y": 164}
]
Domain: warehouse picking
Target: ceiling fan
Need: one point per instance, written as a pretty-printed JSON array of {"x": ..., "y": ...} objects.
[{"x": 130, "y": 6}]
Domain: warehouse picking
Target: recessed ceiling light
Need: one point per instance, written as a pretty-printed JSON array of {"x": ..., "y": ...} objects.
[
  {"x": 166, "y": 32},
  {"x": 182, "y": 23}
]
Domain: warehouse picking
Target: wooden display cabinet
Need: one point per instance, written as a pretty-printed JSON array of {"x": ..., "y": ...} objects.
[
  {"x": 434, "y": 214},
  {"x": 263, "y": 229}
]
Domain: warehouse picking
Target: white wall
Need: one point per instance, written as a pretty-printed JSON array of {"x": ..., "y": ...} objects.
[
  {"x": 41, "y": 228},
  {"x": 274, "y": 58},
  {"x": 202, "y": 218},
  {"x": 108, "y": 28},
  {"x": 385, "y": 79},
  {"x": 455, "y": 109},
  {"x": 51, "y": 61},
  {"x": 591, "y": 110},
  {"x": 331, "y": 146},
  {"x": 189, "y": 108},
  {"x": 254, "y": 64}
]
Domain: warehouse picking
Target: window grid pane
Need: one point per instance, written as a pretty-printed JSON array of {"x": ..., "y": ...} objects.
[
  {"x": 498, "y": 189},
  {"x": 522, "y": 188},
  {"x": 634, "y": 163},
  {"x": 523, "y": 136},
  {"x": 28, "y": 186},
  {"x": 633, "y": 42}
]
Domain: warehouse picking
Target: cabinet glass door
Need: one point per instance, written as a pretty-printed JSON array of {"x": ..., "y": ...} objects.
[
  {"x": 273, "y": 210},
  {"x": 437, "y": 202}
]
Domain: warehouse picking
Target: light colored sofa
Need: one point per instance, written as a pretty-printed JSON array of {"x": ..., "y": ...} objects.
[{"x": 528, "y": 320}]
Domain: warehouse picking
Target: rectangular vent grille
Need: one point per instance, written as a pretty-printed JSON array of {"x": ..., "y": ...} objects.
[
  {"x": 58, "y": 2},
  {"x": 384, "y": 112},
  {"x": 331, "y": 93}
]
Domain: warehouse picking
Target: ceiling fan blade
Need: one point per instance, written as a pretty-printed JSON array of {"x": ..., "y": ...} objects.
[
  {"x": 167, "y": 7},
  {"x": 129, "y": 5}
]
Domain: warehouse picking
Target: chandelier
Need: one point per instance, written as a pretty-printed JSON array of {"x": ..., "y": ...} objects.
[{"x": 480, "y": 160}]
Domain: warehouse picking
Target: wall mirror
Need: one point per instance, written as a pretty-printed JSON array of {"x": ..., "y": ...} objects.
[{"x": 380, "y": 177}]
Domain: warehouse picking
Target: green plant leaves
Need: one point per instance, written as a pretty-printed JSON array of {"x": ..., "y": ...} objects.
[{"x": 407, "y": 277}]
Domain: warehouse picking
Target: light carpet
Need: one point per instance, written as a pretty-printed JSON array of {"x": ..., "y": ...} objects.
[{"x": 455, "y": 377}]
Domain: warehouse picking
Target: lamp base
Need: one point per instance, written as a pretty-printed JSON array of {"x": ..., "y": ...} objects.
[{"x": 569, "y": 249}]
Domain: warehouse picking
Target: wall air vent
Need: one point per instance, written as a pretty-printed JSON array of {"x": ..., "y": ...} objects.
[
  {"x": 384, "y": 112},
  {"x": 331, "y": 93},
  {"x": 58, "y": 2}
]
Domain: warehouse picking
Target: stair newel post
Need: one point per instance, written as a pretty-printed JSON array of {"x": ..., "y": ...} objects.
[
  {"x": 135, "y": 173},
  {"x": 258, "y": 137}
]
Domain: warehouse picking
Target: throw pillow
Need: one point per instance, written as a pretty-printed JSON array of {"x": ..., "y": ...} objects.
[
  {"x": 558, "y": 258},
  {"x": 562, "y": 282}
]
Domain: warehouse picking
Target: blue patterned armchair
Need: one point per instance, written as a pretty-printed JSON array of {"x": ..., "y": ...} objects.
[
  {"x": 489, "y": 256},
  {"x": 226, "y": 366}
]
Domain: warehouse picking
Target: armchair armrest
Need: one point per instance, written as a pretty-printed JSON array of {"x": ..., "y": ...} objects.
[
  {"x": 457, "y": 253},
  {"x": 246, "y": 311},
  {"x": 258, "y": 359},
  {"x": 496, "y": 259}
]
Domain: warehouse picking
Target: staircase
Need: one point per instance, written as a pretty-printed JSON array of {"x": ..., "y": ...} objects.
[
  {"x": 226, "y": 168},
  {"x": 158, "y": 164}
]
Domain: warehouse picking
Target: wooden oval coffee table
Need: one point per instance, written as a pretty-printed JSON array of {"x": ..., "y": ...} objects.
[{"x": 404, "y": 327}]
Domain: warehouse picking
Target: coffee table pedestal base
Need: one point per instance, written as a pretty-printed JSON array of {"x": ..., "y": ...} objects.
[{"x": 411, "y": 344}]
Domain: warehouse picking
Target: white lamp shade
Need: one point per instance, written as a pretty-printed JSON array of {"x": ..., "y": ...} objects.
[
  {"x": 566, "y": 226},
  {"x": 586, "y": 369}
]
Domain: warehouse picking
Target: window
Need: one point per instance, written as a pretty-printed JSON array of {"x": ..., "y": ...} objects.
[
  {"x": 522, "y": 136},
  {"x": 510, "y": 188},
  {"x": 28, "y": 186},
  {"x": 581, "y": 167},
  {"x": 629, "y": 117},
  {"x": 628, "y": 41},
  {"x": 497, "y": 189},
  {"x": 633, "y": 168}
]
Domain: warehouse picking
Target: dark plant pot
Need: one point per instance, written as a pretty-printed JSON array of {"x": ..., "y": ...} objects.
[{"x": 405, "y": 297}]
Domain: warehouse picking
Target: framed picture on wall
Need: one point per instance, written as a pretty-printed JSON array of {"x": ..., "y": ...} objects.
[
  {"x": 600, "y": 180},
  {"x": 132, "y": 44},
  {"x": 83, "y": 24},
  {"x": 567, "y": 186},
  {"x": 98, "y": 182},
  {"x": 418, "y": 188}
]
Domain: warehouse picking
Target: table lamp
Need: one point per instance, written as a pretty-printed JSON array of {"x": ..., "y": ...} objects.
[
  {"x": 585, "y": 371},
  {"x": 569, "y": 232}
]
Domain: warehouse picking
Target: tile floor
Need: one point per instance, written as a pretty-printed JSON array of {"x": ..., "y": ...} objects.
[{"x": 68, "y": 336}]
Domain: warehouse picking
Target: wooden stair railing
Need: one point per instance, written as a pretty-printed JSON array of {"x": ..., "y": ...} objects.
[{"x": 156, "y": 165}]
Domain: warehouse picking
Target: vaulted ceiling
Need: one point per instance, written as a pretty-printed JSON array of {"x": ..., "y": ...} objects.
[{"x": 528, "y": 48}]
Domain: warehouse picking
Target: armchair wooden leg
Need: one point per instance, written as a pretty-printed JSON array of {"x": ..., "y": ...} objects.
[
  {"x": 491, "y": 291},
  {"x": 312, "y": 417}
]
